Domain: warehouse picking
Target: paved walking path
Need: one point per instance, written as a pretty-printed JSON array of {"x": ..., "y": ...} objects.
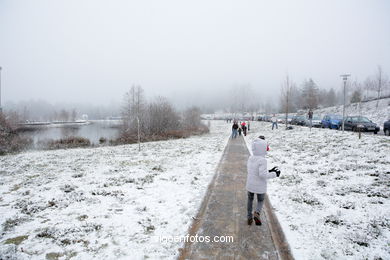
[{"x": 223, "y": 213}]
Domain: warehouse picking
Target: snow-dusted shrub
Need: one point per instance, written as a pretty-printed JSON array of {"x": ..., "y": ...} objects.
[
  {"x": 290, "y": 180},
  {"x": 102, "y": 140},
  {"x": 333, "y": 220},
  {"x": 10, "y": 141},
  {"x": 305, "y": 198},
  {"x": 68, "y": 142},
  {"x": 10, "y": 223}
]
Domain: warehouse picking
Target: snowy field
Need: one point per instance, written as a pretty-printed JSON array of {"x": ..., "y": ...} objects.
[
  {"x": 332, "y": 198},
  {"x": 105, "y": 203}
]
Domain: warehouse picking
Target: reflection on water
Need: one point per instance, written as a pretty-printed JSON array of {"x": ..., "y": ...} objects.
[{"x": 93, "y": 131}]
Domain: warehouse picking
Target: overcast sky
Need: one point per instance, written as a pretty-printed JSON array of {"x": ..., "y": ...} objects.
[{"x": 93, "y": 51}]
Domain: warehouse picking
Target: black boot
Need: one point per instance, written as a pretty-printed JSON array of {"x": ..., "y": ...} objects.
[
  {"x": 257, "y": 219},
  {"x": 250, "y": 220}
]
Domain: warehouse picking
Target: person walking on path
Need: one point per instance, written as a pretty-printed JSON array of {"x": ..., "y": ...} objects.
[
  {"x": 239, "y": 131},
  {"x": 244, "y": 128},
  {"x": 274, "y": 121},
  {"x": 256, "y": 181},
  {"x": 234, "y": 129},
  {"x": 310, "y": 116},
  {"x": 249, "y": 126}
]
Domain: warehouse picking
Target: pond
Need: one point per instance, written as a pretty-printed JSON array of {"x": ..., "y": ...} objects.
[{"x": 108, "y": 129}]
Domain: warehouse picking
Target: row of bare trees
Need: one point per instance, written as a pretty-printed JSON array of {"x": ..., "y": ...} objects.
[
  {"x": 157, "y": 119},
  {"x": 373, "y": 87},
  {"x": 310, "y": 96}
]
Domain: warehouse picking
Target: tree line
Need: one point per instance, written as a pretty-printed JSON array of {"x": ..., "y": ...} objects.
[
  {"x": 156, "y": 119},
  {"x": 310, "y": 96}
]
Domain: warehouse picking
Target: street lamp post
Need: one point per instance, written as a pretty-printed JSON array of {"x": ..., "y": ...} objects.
[{"x": 345, "y": 78}]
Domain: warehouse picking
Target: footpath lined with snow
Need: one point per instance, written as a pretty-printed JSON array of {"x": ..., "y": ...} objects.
[
  {"x": 105, "y": 203},
  {"x": 332, "y": 198}
]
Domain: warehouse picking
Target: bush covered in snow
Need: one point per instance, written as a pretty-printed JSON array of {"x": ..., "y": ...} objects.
[{"x": 10, "y": 141}]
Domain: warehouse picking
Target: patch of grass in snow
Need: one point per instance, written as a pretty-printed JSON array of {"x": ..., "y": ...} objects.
[
  {"x": 15, "y": 240},
  {"x": 147, "y": 225},
  {"x": 158, "y": 168},
  {"x": 333, "y": 220},
  {"x": 290, "y": 180},
  {"x": 305, "y": 198},
  {"x": 321, "y": 183},
  {"x": 16, "y": 187},
  {"x": 68, "y": 188},
  {"x": 347, "y": 205},
  {"x": 149, "y": 178},
  {"x": 112, "y": 193},
  {"x": 10, "y": 223},
  {"x": 54, "y": 255},
  {"x": 69, "y": 235},
  {"x": 78, "y": 175},
  {"x": 82, "y": 217},
  {"x": 28, "y": 207}
]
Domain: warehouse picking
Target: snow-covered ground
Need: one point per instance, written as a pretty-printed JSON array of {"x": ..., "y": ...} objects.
[
  {"x": 105, "y": 203},
  {"x": 369, "y": 109},
  {"x": 332, "y": 198}
]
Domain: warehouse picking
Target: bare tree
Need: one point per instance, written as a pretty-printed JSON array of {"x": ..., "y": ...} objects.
[
  {"x": 191, "y": 118},
  {"x": 64, "y": 115},
  {"x": 331, "y": 99},
  {"x": 162, "y": 117},
  {"x": 368, "y": 85},
  {"x": 73, "y": 115},
  {"x": 380, "y": 82},
  {"x": 285, "y": 97},
  {"x": 356, "y": 92},
  {"x": 134, "y": 109},
  {"x": 310, "y": 94}
]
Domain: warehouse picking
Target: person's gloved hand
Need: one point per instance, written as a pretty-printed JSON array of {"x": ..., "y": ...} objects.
[
  {"x": 277, "y": 171},
  {"x": 273, "y": 169}
]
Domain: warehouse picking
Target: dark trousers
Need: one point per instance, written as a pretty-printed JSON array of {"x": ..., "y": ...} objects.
[{"x": 260, "y": 202}]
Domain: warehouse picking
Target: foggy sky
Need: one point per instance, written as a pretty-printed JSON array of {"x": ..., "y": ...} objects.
[{"x": 93, "y": 51}]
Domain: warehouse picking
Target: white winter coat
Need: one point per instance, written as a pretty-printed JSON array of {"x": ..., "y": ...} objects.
[{"x": 256, "y": 180}]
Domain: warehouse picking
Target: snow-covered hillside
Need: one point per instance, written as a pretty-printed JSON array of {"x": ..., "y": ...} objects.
[
  {"x": 332, "y": 198},
  {"x": 377, "y": 114},
  {"x": 105, "y": 203}
]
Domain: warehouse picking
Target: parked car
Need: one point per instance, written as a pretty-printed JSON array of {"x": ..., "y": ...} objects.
[
  {"x": 298, "y": 120},
  {"x": 315, "y": 122},
  {"x": 332, "y": 121},
  {"x": 264, "y": 118},
  {"x": 281, "y": 119},
  {"x": 361, "y": 123},
  {"x": 386, "y": 127}
]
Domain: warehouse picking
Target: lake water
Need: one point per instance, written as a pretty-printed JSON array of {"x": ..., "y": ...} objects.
[{"x": 108, "y": 129}]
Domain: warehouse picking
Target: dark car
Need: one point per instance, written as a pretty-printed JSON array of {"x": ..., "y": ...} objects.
[
  {"x": 298, "y": 120},
  {"x": 332, "y": 121},
  {"x": 386, "y": 127},
  {"x": 356, "y": 123}
]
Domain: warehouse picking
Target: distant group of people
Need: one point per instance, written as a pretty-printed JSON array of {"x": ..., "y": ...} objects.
[{"x": 238, "y": 129}]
